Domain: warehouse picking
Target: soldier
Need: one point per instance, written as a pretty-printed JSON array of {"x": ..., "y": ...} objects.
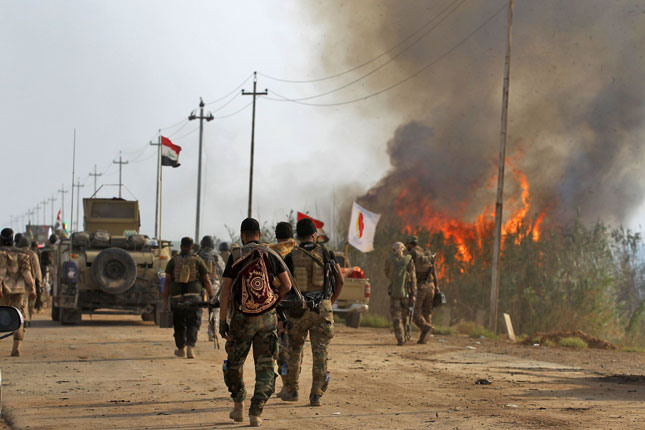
[
  {"x": 249, "y": 296},
  {"x": 285, "y": 244},
  {"x": 314, "y": 269},
  {"x": 48, "y": 266},
  {"x": 186, "y": 277},
  {"x": 399, "y": 269},
  {"x": 16, "y": 280},
  {"x": 215, "y": 269},
  {"x": 34, "y": 262},
  {"x": 224, "y": 252},
  {"x": 426, "y": 287}
]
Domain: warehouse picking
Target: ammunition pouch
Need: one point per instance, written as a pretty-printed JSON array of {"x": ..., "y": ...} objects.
[{"x": 439, "y": 299}]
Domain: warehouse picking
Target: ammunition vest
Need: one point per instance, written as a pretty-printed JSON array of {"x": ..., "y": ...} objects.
[
  {"x": 309, "y": 274},
  {"x": 399, "y": 276},
  {"x": 15, "y": 272},
  {"x": 185, "y": 269},
  {"x": 210, "y": 258}
]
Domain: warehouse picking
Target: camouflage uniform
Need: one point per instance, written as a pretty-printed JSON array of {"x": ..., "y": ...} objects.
[
  {"x": 16, "y": 281},
  {"x": 36, "y": 274},
  {"x": 425, "y": 293},
  {"x": 402, "y": 289},
  {"x": 215, "y": 270},
  {"x": 318, "y": 324}
]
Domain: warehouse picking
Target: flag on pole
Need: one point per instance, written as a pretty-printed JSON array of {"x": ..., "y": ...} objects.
[
  {"x": 169, "y": 153},
  {"x": 362, "y": 228}
]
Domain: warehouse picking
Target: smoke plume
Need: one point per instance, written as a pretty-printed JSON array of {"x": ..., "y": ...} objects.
[{"x": 576, "y": 107}]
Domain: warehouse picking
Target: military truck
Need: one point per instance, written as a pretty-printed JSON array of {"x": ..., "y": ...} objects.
[
  {"x": 355, "y": 297},
  {"x": 109, "y": 268}
]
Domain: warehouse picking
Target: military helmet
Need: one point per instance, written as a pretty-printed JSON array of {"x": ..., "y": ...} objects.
[
  {"x": 412, "y": 239},
  {"x": 6, "y": 236},
  {"x": 53, "y": 239},
  {"x": 207, "y": 242},
  {"x": 23, "y": 242},
  {"x": 224, "y": 246}
]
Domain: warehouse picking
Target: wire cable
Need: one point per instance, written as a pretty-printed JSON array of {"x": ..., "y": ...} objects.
[
  {"x": 424, "y": 68},
  {"x": 230, "y": 93},
  {"x": 187, "y": 134},
  {"x": 236, "y": 112}
]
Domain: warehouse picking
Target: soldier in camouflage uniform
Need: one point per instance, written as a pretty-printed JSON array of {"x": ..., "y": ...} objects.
[
  {"x": 23, "y": 243},
  {"x": 399, "y": 269},
  {"x": 308, "y": 263},
  {"x": 215, "y": 269},
  {"x": 186, "y": 277},
  {"x": 16, "y": 280},
  {"x": 426, "y": 289},
  {"x": 285, "y": 244},
  {"x": 257, "y": 329},
  {"x": 224, "y": 252}
]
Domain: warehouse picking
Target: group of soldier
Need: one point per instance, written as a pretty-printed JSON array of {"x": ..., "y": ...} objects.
[
  {"x": 270, "y": 296},
  {"x": 21, "y": 277}
]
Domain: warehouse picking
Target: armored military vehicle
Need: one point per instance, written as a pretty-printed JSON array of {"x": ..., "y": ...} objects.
[{"x": 109, "y": 268}]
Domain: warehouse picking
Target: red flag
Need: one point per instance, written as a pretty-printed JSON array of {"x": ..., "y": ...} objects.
[
  {"x": 319, "y": 224},
  {"x": 169, "y": 153}
]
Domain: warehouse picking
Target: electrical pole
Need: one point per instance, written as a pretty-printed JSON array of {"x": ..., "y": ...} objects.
[
  {"x": 201, "y": 118},
  {"x": 494, "y": 289},
  {"x": 37, "y": 214},
  {"x": 95, "y": 176},
  {"x": 254, "y": 94},
  {"x": 52, "y": 199},
  {"x": 78, "y": 199},
  {"x": 62, "y": 192},
  {"x": 71, "y": 210},
  {"x": 44, "y": 204},
  {"x": 158, "y": 195},
  {"x": 120, "y": 163}
]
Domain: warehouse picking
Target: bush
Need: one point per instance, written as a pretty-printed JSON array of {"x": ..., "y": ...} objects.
[
  {"x": 444, "y": 331},
  {"x": 572, "y": 342},
  {"x": 375, "y": 321},
  {"x": 465, "y": 327},
  {"x": 480, "y": 331}
]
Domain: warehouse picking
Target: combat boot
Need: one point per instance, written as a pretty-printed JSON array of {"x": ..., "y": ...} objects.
[
  {"x": 289, "y": 396},
  {"x": 15, "y": 352},
  {"x": 255, "y": 421},
  {"x": 179, "y": 352},
  {"x": 314, "y": 400},
  {"x": 237, "y": 414},
  {"x": 425, "y": 334},
  {"x": 190, "y": 352}
]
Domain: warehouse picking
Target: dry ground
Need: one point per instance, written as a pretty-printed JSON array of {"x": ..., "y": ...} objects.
[{"x": 120, "y": 373}]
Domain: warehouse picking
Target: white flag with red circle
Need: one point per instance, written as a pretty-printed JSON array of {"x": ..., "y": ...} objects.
[{"x": 362, "y": 228}]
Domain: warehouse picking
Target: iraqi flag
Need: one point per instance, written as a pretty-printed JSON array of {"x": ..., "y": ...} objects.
[
  {"x": 362, "y": 228},
  {"x": 169, "y": 153}
]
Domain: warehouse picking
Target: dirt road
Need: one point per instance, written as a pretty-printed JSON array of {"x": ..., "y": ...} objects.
[{"x": 120, "y": 373}]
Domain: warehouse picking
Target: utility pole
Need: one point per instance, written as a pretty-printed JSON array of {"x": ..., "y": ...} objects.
[
  {"x": 71, "y": 210},
  {"x": 95, "y": 176},
  {"x": 62, "y": 192},
  {"x": 120, "y": 163},
  {"x": 494, "y": 289},
  {"x": 254, "y": 93},
  {"x": 78, "y": 199},
  {"x": 44, "y": 205},
  {"x": 201, "y": 118},
  {"x": 52, "y": 199},
  {"x": 37, "y": 213},
  {"x": 158, "y": 196}
]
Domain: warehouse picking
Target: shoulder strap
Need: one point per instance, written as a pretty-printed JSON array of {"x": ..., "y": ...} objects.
[{"x": 313, "y": 256}]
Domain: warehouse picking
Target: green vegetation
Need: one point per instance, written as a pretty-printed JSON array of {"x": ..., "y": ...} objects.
[
  {"x": 480, "y": 331},
  {"x": 632, "y": 349},
  {"x": 374, "y": 321},
  {"x": 572, "y": 342},
  {"x": 444, "y": 331}
]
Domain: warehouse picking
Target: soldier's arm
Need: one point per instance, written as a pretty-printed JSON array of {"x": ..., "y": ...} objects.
[
  {"x": 166, "y": 289},
  {"x": 285, "y": 284},
  {"x": 413, "y": 279},
  {"x": 206, "y": 279},
  {"x": 224, "y": 298},
  {"x": 340, "y": 282}
]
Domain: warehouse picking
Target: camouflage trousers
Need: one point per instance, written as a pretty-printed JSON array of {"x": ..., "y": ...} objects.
[
  {"x": 283, "y": 357},
  {"x": 423, "y": 306},
  {"x": 400, "y": 312},
  {"x": 261, "y": 333},
  {"x": 17, "y": 301},
  {"x": 320, "y": 327}
]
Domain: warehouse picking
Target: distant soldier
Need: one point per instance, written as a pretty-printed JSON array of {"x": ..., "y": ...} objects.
[
  {"x": 315, "y": 271},
  {"x": 399, "y": 269},
  {"x": 224, "y": 252},
  {"x": 186, "y": 277},
  {"x": 285, "y": 244},
  {"x": 34, "y": 262},
  {"x": 215, "y": 269},
  {"x": 16, "y": 280},
  {"x": 426, "y": 287},
  {"x": 48, "y": 266},
  {"x": 249, "y": 296}
]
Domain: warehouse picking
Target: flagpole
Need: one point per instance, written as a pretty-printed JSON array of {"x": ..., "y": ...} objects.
[
  {"x": 160, "y": 189},
  {"x": 158, "y": 181}
]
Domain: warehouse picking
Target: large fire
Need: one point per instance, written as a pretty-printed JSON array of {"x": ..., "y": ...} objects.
[{"x": 464, "y": 234}]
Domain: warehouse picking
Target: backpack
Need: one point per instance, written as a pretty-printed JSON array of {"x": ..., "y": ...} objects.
[
  {"x": 425, "y": 262},
  {"x": 253, "y": 283}
]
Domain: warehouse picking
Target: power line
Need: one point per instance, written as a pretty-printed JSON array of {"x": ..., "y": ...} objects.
[
  {"x": 187, "y": 134},
  {"x": 230, "y": 93},
  {"x": 384, "y": 53},
  {"x": 415, "y": 74},
  {"x": 236, "y": 112}
]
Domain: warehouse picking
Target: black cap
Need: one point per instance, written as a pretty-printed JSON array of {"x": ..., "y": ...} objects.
[
  {"x": 223, "y": 246},
  {"x": 305, "y": 227},
  {"x": 53, "y": 239},
  {"x": 6, "y": 236},
  {"x": 250, "y": 225},
  {"x": 207, "y": 242},
  {"x": 187, "y": 241},
  {"x": 283, "y": 230}
]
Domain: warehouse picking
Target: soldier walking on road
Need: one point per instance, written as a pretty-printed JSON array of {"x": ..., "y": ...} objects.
[
  {"x": 23, "y": 243},
  {"x": 427, "y": 287},
  {"x": 16, "y": 281},
  {"x": 215, "y": 269},
  {"x": 186, "y": 277},
  {"x": 315, "y": 271},
  {"x": 248, "y": 297},
  {"x": 399, "y": 269}
]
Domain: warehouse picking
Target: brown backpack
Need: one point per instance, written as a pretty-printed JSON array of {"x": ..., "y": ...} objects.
[{"x": 253, "y": 285}]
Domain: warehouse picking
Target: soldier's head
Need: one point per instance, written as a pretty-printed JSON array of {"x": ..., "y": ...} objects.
[
  {"x": 34, "y": 245},
  {"x": 186, "y": 244},
  {"x": 398, "y": 248},
  {"x": 6, "y": 237},
  {"x": 22, "y": 242},
  {"x": 16, "y": 238},
  {"x": 223, "y": 247},
  {"x": 306, "y": 230},
  {"x": 250, "y": 230},
  {"x": 207, "y": 242},
  {"x": 411, "y": 242},
  {"x": 283, "y": 231},
  {"x": 53, "y": 239}
]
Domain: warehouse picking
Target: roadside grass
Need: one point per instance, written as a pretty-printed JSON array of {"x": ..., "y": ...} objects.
[
  {"x": 444, "y": 331},
  {"x": 633, "y": 349},
  {"x": 471, "y": 329},
  {"x": 374, "y": 321},
  {"x": 572, "y": 342}
]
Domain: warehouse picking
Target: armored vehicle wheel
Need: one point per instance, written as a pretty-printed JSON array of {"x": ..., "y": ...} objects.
[
  {"x": 55, "y": 313},
  {"x": 353, "y": 319},
  {"x": 114, "y": 270}
]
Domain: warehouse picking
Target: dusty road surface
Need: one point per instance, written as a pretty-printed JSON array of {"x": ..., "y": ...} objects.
[{"x": 120, "y": 373}]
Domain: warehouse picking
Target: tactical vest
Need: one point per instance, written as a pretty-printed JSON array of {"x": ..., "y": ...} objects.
[
  {"x": 17, "y": 277},
  {"x": 210, "y": 258},
  {"x": 399, "y": 276},
  {"x": 185, "y": 269},
  {"x": 309, "y": 274}
]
